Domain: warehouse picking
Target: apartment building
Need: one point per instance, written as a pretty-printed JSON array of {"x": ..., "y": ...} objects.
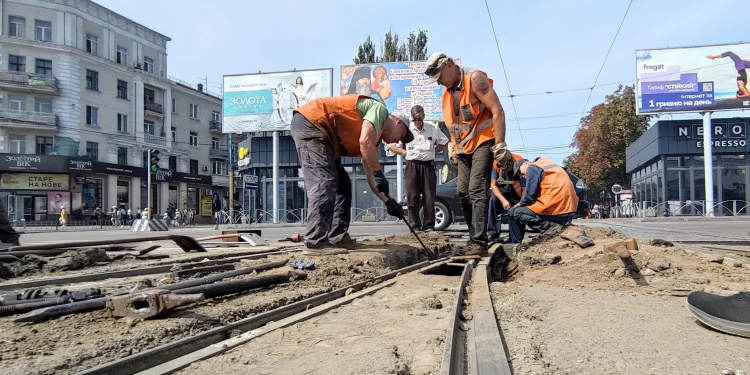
[{"x": 84, "y": 96}]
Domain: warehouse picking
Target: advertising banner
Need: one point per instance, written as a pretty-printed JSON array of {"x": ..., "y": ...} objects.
[
  {"x": 57, "y": 201},
  {"x": 692, "y": 79},
  {"x": 34, "y": 181},
  {"x": 206, "y": 205},
  {"x": 399, "y": 85},
  {"x": 265, "y": 101}
]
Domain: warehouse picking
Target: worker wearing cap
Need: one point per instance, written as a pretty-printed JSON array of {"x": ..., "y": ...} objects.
[
  {"x": 476, "y": 120},
  {"x": 324, "y": 130},
  {"x": 504, "y": 193},
  {"x": 549, "y": 200},
  {"x": 419, "y": 173}
]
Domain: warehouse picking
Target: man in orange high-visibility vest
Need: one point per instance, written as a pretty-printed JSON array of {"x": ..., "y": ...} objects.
[{"x": 476, "y": 121}]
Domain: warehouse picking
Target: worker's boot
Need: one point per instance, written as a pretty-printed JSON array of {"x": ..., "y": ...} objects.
[
  {"x": 730, "y": 314},
  {"x": 347, "y": 243},
  {"x": 473, "y": 248}
]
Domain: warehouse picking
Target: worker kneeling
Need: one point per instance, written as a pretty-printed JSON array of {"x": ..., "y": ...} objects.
[{"x": 549, "y": 200}]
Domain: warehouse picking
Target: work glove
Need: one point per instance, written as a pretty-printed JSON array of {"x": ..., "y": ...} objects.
[
  {"x": 501, "y": 153},
  {"x": 394, "y": 209},
  {"x": 381, "y": 183},
  {"x": 452, "y": 155}
]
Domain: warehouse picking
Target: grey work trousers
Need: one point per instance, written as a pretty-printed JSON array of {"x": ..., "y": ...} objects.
[
  {"x": 421, "y": 184},
  {"x": 328, "y": 187},
  {"x": 7, "y": 233},
  {"x": 473, "y": 184}
]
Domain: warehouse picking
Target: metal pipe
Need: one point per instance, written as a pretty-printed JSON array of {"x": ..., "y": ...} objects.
[
  {"x": 234, "y": 286},
  {"x": 25, "y": 307}
]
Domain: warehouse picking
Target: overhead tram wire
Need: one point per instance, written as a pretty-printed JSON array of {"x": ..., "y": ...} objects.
[
  {"x": 583, "y": 113},
  {"x": 513, "y": 102}
]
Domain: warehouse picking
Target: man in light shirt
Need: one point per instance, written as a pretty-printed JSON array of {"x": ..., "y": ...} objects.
[{"x": 419, "y": 174}]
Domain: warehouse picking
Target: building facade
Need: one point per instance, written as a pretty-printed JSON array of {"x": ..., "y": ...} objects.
[
  {"x": 667, "y": 170},
  {"x": 84, "y": 97}
]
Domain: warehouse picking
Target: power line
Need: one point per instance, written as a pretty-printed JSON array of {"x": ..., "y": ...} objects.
[{"x": 513, "y": 102}]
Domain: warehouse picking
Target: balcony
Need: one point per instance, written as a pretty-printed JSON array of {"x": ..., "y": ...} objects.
[
  {"x": 28, "y": 119},
  {"x": 153, "y": 109},
  {"x": 214, "y": 126},
  {"x": 218, "y": 153},
  {"x": 155, "y": 140},
  {"x": 28, "y": 82}
]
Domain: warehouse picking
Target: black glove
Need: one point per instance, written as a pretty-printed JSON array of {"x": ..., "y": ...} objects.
[
  {"x": 381, "y": 183},
  {"x": 394, "y": 209}
]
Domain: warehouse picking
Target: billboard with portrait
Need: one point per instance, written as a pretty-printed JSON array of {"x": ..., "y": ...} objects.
[
  {"x": 265, "y": 101},
  {"x": 57, "y": 200},
  {"x": 399, "y": 85},
  {"x": 692, "y": 79}
]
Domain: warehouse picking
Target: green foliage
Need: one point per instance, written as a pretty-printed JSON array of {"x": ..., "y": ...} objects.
[
  {"x": 601, "y": 140},
  {"x": 392, "y": 50}
]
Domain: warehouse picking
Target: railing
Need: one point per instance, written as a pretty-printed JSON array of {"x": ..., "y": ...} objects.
[
  {"x": 218, "y": 152},
  {"x": 153, "y": 107},
  {"x": 155, "y": 139},
  {"x": 214, "y": 125},
  {"x": 28, "y": 117},
  {"x": 689, "y": 208},
  {"x": 31, "y": 80}
]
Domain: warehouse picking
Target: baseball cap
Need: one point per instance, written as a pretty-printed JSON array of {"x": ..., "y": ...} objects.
[
  {"x": 516, "y": 166},
  {"x": 405, "y": 119},
  {"x": 434, "y": 66}
]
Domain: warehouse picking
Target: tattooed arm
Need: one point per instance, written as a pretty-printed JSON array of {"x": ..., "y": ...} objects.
[{"x": 482, "y": 90}]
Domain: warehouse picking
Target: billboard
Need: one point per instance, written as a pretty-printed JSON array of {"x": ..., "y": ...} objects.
[
  {"x": 692, "y": 79},
  {"x": 265, "y": 101},
  {"x": 399, "y": 85}
]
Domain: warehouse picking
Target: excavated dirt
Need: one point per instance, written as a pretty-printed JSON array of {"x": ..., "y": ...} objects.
[
  {"x": 569, "y": 310},
  {"x": 76, "y": 342}
]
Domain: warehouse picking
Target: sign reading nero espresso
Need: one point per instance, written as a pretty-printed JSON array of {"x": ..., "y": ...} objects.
[
  {"x": 732, "y": 134},
  {"x": 35, "y": 181}
]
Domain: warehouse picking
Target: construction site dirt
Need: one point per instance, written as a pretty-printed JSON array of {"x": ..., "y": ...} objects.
[{"x": 564, "y": 309}]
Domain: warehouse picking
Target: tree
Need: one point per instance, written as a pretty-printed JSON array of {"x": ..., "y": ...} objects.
[
  {"x": 365, "y": 52},
  {"x": 391, "y": 50},
  {"x": 602, "y": 137}
]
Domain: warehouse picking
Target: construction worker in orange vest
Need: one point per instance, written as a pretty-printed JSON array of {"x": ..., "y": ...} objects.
[
  {"x": 549, "y": 200},
  {"x": 504, "y": 193},
  {"x": 324, "y": 130},
  {"x": 476, "y": 121}
]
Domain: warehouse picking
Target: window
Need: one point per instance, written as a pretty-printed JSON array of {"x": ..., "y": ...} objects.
[
  {"x": 121, "y": 56},
  {"x": 43, "y": 31},
  {"x": 92, "y": 44},
  {"x": 215, "y": 116},
  {"x": 215, "y": 143},
  {"x": 44, "y": 67},
  {"x": 194, "y": 139},
  {"x": 174, "y": 105},
  {"x": 43, "y": 145},
  {"x": 122, "y": 89},
  {"x": 173, "y": 162},
  {"x": 43, "y": 105},
  {"x": 149, "y": 128},
  {"x": 17, "y": 63},
  {"x": 17, "y": 103},
  {"x": 219, "y": 167},
  {"x": 194, "y": 111},
  {"x": 92, "y": 150},
  {"x": 148, "y": 64},
  {"x": 148, "y": 95},
  {"x": 17, "y": 27},
  {"x": 17, "y": 144},
  {"x": 122, "y": 156},
  {"x": 193, "y": 166},
  {"x": 92, "y": 115},
  {"x": 174, "y": 134},
  {"x": 92, "y": 80},
  {"x": 122, "y": 123}
]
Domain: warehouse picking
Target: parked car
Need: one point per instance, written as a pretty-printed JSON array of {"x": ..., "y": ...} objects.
[{"x": 448, "y": 209}]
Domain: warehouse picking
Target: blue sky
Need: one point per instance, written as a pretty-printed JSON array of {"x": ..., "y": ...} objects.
[{"x": 546, "y": 45}]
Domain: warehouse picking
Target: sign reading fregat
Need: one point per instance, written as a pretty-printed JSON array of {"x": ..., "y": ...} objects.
[
  {"x": 692, "y": 79},
  {"x": 266, "y": 101}
]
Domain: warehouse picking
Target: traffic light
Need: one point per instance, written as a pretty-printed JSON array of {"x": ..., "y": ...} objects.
[{"x": 154, "y": 160}]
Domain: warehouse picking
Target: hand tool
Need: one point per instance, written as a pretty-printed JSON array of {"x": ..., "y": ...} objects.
[{"x": 432, "y": 255}]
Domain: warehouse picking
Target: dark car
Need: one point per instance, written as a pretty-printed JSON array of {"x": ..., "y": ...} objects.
[{"x": 448, "y": 209}]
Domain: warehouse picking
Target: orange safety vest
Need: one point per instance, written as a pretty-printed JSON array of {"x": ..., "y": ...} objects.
[
  {"x": 516, "y": 184},
  {"x": 470, "y": 126},
  {"x": 557, "y": 195},
  {"x": 338, "y": 118}
]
